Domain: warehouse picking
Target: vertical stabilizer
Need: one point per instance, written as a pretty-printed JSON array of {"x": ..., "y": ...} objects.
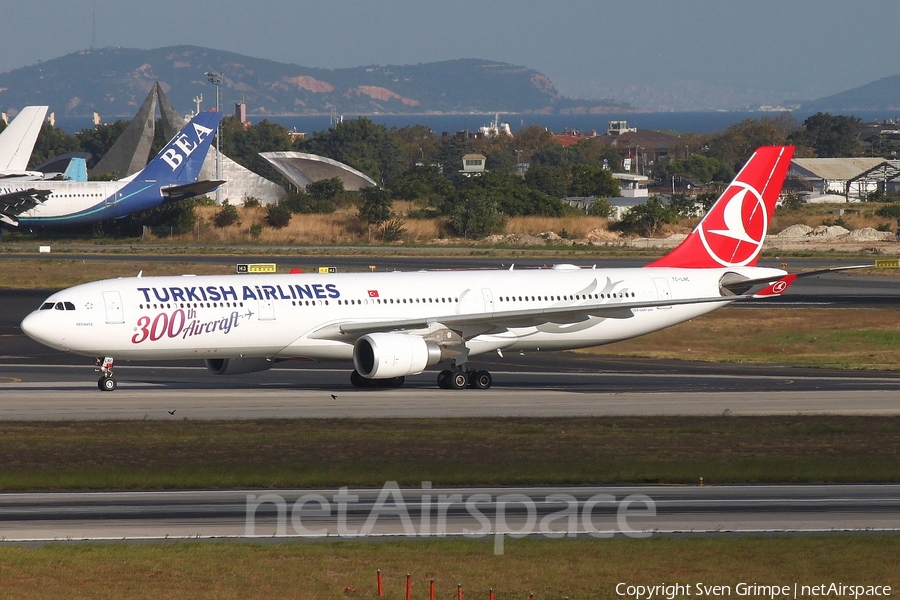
[
  {"x": 180, "y": 160},
  {"x": 17, "y": 140},
  {"x": 731, "y": 234}
]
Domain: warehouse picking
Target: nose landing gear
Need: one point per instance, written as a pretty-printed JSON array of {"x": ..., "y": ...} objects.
[{"x": 107, "y": 382}]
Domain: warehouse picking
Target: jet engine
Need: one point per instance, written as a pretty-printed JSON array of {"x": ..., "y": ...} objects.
[
  {"x": 384, "y": 355},
  {"x": 237, "y": 366}
]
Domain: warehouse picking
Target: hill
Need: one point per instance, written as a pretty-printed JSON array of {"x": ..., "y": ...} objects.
[
  {"x": 882, "y": 94},
  {"x": 114, "y": 81}
]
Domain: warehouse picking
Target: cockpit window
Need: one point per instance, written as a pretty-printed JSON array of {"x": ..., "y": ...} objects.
[{"x": 58, "y": 306}]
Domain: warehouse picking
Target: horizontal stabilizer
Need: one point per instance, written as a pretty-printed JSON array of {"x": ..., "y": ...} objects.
[
  {"x": 189, "y": 190},
  {"x": 777, "y": 288}
]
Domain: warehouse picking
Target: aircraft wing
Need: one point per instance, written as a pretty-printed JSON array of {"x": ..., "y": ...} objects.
[
  {"x": 12, "y": 204},
  {"x": 189, "y": 190}
]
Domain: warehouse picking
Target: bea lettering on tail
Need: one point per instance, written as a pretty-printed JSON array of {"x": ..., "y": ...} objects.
[{"x": 732, "y": 232}]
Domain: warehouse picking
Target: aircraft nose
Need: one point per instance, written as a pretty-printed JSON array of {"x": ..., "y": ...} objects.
[{"x": 37, "y": 327}]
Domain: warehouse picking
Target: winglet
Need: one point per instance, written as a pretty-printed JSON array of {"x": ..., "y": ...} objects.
[{"x": 777, "y": 288}]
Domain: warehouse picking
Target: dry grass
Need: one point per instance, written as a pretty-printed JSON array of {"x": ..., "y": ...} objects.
[
  {"x": 856, "y": 216},
  {"x": 571, "y": 568},
  {"x": 576, "y": 227},
  {"x": 494, "y": 451}
]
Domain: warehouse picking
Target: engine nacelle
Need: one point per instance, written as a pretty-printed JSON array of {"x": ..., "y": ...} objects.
[
  {"x": 384, "y": 355},
  {"x": 237, "y": 366}
]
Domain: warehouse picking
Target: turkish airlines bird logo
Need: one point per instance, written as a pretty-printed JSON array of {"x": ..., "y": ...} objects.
[{"x": 734, "y": 235}]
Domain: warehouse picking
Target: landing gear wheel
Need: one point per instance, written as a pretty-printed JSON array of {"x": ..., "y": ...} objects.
[
  {"x": 443, "y": 379},
  {"x": 106, "y": 384},
  {"x": 481, "y": 380},
  {"x": 459, "y": 380}
]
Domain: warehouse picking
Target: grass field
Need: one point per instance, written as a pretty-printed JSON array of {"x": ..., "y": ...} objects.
[
  {"x": 336, "y": 452},
  {"x": 557, "y": 569}
]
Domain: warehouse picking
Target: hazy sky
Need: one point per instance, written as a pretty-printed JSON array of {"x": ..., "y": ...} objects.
[{"x": 798, "y": 48}]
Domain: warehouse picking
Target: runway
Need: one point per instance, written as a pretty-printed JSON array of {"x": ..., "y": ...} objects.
[
  {"x": 40, "y": 383},
  {"x": 491, "y": 513}
]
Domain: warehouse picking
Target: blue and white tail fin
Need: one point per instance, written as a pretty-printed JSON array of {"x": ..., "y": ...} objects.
[{"x": 181, "y": 159}]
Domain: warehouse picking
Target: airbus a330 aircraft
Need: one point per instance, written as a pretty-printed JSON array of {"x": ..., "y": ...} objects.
[
  {"x": 171, "y": 175},
  {"x": 396, "y": 324}
]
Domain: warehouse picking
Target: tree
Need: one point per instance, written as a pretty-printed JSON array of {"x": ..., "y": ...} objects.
[
  {"x": 647, "y": 219},
  {"x": 601, "y": 208},
  {"x": 227, "y": 215},
  {"x": 476, "y": 215},
  {"x": 553, "y": 181},
  {"x": 99, "y": 140},
  {"x": 278, "y": 216},
  {"x": 374, "y": 207},
  {"x": 699, "y": 168},
  {"x": 325, "y": 189},
  {"x": 51, "y": 142},
  {"x": 530, "y": 139},
  {"x": 736, "y": 144},
  {"x": 684, "y": 206},
  {"x": 830, "y": 136},
  {"x": 554, "y": 156},
  {"x": 424, "y": 184},
  {"x": 360, "y": 143},
  {"x": 590, "y": 180},
  {"x": 512, "y": 196}
]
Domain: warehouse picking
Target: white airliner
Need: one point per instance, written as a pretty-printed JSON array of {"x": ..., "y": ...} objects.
[
  {"x": 171, "y": 175},
  {"x": 391, "y": 325},
  {"x": 17, "y": 142}
]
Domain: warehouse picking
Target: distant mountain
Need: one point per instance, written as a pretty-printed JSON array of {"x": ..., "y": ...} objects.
[
  {"x": 114, "y": 82},
  {"x": 883, "y": 94}
]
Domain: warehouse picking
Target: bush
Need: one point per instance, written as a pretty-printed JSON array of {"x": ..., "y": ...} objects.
[
  {"x": 306, "y": 204},
  {"x": 251, "y": 202},
  {"x": 227, "y": 216},
  {"x": 393, "y": 230},
  {"x": 477, "y": 215},
  {"x": 601, "y": 208},
  {"x": 278, "y": 216},
  {"x": 890, "y": 211},
  {"x": 647, "y": 219},
  {"x": 792, "y": 202}
]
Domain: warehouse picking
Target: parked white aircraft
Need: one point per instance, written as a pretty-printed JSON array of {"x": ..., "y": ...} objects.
[
  {"x": 171, "y": 175},
  {"x": 17, "y": 142},
  {"x": 396, "y": 324}
]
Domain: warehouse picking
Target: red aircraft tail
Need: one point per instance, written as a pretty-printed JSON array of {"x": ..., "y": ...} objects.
[{"x": 731, "y": 234}]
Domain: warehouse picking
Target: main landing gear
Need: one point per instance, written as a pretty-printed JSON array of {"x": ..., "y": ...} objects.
[
  {"x": 461, "y": 378},
  {"x": 107, "y": 382}
]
